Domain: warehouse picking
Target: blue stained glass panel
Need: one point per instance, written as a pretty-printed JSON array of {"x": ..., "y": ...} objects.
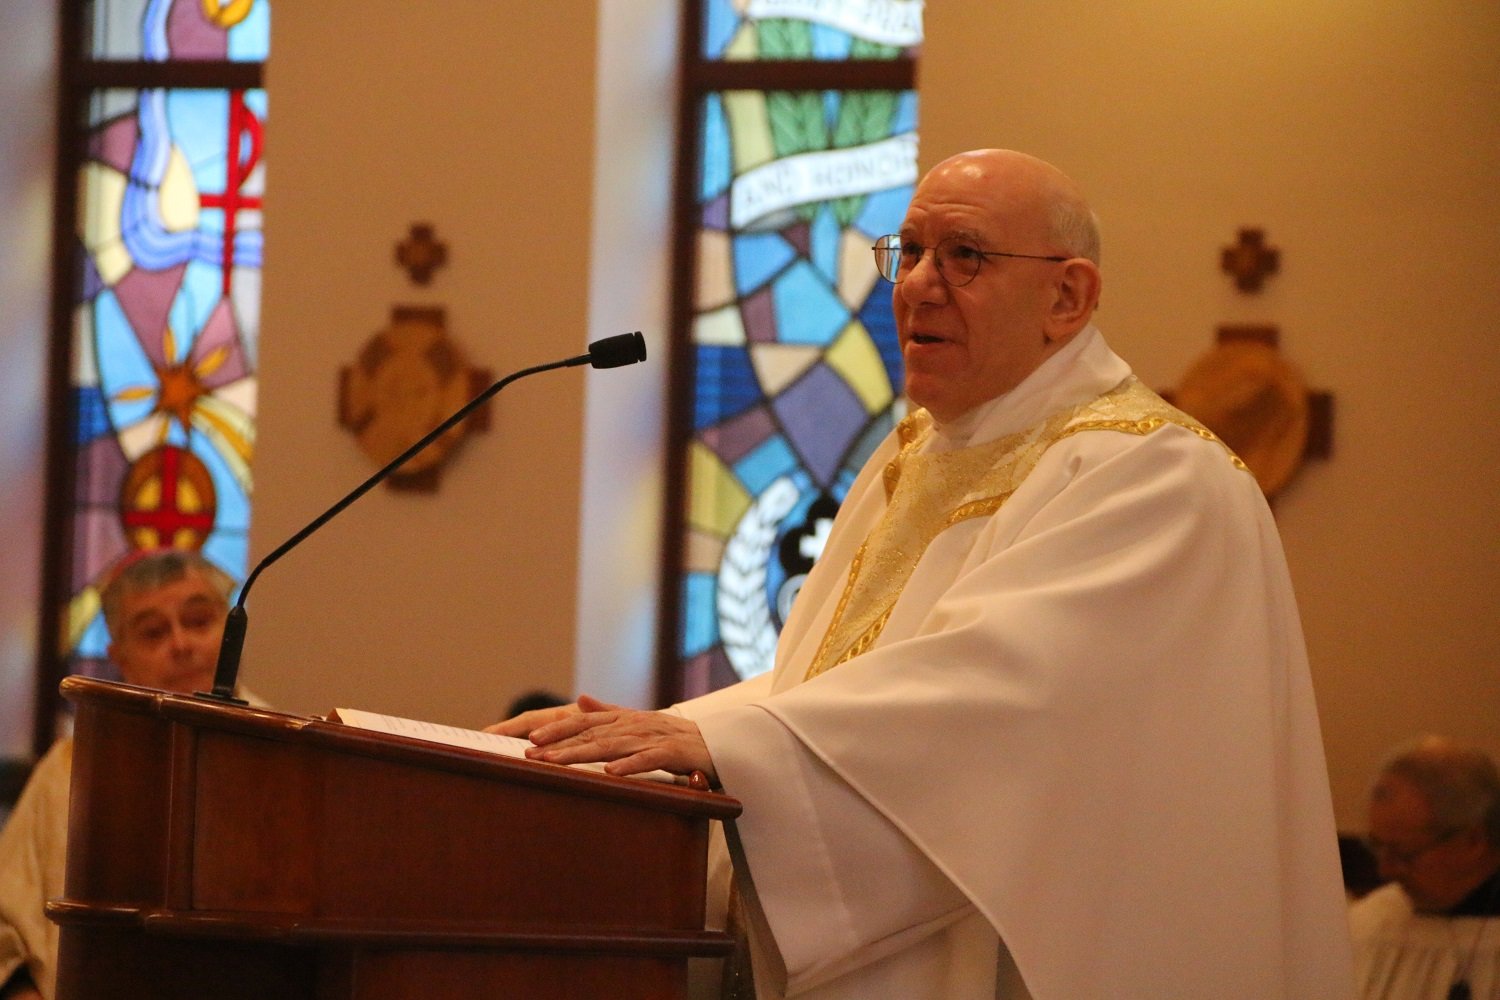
[
  {"x": 95, "y": 640},
  {"x": 828, "y": 43},
  {"x": 757, "y": 259},
  {"x": 878, "y": 319},
  {"x": 811, "y": 312},
  {"x": 250, "y": 40},
  {"x": 825, "y": 238},
  {"x": 729, "y": 371},
  {"x": 720, "y": 22},
  {"x": 700, "y": 625},
  {"x": 717, "y": 170},
  {"x": 906, "y": 114},
  {"x": 765, "y": 464},
  {"x": 92, "y": 420},
  {"x": 883, "y": 211}
]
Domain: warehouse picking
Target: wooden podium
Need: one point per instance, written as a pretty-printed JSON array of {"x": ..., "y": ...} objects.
[{"x": 223, "y": 852}]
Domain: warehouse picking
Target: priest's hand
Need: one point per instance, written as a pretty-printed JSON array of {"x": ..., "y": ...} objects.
[
  {"x": 628, "y": 740},
  {"x": 522, "y": 725}
]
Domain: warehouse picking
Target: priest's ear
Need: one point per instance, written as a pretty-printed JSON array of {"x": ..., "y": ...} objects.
[{"x": 1076, "y": 296}]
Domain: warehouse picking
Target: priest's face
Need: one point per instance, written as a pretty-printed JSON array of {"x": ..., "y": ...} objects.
[
  {"x": 169, "y": 635},
  {"x": 1436, "y": 866},
  {"x": 968, "y": 340}
]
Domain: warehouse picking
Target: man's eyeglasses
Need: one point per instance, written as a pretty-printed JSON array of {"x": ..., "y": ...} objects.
[
  {"x": 958, "y": 259},
  {"x": 1404, "y": 857}
]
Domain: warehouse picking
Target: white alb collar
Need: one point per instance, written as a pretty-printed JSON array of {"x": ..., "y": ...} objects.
[{"x": 1083, "y": 369}]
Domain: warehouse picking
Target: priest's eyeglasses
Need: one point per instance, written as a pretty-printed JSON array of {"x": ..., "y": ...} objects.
[
  {"x": 1405, "y": 857},
  {"x": 958, "y": 259}
]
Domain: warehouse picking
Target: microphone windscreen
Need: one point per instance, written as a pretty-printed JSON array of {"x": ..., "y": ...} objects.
[{"x": 621, "y": 349}]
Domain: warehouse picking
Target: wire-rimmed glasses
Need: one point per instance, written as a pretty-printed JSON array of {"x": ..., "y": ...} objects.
[
  {"x": 1407, "y": 856},
  {"x": 958, "y": 259}
]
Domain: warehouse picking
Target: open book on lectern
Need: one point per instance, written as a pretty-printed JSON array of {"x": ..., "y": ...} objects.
[{"x": 453, "y": 736}]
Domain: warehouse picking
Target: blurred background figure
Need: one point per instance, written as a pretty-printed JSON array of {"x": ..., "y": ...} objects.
[
  {"x": 1432, "y": 932},
  {"x": 165, "y": 610},
  {"x": 533, "y": 700}
]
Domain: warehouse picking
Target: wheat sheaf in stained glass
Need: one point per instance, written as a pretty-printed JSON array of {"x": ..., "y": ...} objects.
[
  {"x": 168, "y": 304},
  {"x": 797, "y": 367}
]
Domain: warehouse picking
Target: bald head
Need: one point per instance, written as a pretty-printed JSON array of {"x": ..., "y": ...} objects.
[
  {"x": 1034, "y": 188},
  {"x": 1016, "y": 279}
]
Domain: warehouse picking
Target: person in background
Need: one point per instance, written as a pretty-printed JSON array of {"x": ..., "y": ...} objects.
[
  {"x": 1040, "y": 721},
  {"x": 165, "y": 611},
  {"x": 530, "y": 701},
  {"x": 1433, "y": 931}
]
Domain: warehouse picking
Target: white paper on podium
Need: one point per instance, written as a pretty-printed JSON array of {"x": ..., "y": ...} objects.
[{"x": 453, "y": 736}]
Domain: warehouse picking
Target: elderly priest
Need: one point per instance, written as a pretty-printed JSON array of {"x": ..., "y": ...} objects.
[{"x": 1040, "y": 722}]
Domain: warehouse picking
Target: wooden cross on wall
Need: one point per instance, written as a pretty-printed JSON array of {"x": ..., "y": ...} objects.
[
  {"x": 421, "y": 254},
  {"x": 1252, "y": 398},
  {"x": 1247, "y": 393},
  {"x": 1319, "y": 403},
  {"x": 1250, "y": 262}
]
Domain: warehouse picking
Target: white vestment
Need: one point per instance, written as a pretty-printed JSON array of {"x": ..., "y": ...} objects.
[
  {"x": 1077, "y": 757},
  {"x": 32, "y": 847},
  {"x": 1403, "y": 955}
]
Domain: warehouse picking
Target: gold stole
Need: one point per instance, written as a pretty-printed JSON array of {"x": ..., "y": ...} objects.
[{"x": 928, "y": 493}]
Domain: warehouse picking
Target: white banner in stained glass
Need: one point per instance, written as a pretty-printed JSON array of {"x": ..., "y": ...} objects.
[
  {"x": 820, "y": 176},
  {"x": 889, "y": 22}
]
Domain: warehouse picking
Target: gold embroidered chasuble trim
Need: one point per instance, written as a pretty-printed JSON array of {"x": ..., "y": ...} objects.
[{"x": 928, "y": 493}]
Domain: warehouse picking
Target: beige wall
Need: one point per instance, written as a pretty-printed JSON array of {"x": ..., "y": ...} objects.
[
  {"x": 439, "y": 606},
  {"x": 1365, "y": 138}
]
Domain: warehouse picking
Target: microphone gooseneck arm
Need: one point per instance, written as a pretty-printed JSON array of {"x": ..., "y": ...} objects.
[{"x": 611, "y": 352}]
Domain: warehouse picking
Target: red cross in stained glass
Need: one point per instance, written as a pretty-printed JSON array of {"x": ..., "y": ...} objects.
[
  {"x": 165, "y": 519},
  {"x": 239, "y": 162}
]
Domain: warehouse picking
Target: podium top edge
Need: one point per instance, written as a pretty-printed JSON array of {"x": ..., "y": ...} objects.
[{"x": 321, "y": 735}]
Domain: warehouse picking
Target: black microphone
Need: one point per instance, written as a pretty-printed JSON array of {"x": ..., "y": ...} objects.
[{"x": 611, "y": 352}]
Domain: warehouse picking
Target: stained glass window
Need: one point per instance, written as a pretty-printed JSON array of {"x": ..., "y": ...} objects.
[
  {"x": 164, "y": 306},
  {"x": 804, "y": 153}
]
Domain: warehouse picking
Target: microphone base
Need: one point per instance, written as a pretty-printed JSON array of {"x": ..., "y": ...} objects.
[{"x": 221, "y": 697}]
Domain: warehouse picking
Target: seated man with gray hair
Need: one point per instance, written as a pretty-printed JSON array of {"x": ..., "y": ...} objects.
[
  {"x": 165, "y": 611},
  {"x": 1432, "y": 933}
]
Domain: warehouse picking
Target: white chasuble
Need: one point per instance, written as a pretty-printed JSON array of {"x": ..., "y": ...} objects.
[{"x": 1040, "y": 723}]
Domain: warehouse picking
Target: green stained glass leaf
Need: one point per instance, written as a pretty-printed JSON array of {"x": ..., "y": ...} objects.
[
  {"x": 796, "y": 122},
  {"x": 797, "y": 126},
  {"x": 863, "y": 48},
  {"x": 780, "y": 38},
  {"x": 865, "y": 116},
  {"x": 847, "y": 209}
]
